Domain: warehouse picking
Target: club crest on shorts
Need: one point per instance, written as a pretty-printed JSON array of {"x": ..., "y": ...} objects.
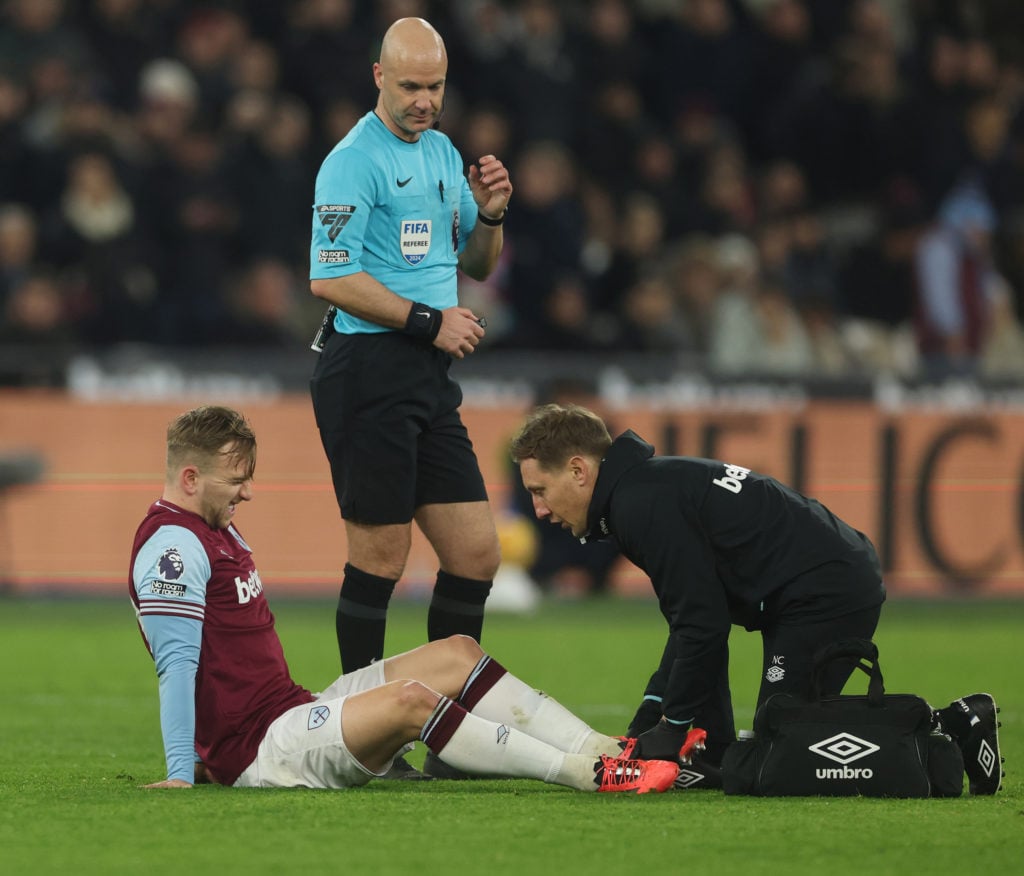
[
  {"x": 414, "y": 240},
  {"x": 318, "y": 716}
]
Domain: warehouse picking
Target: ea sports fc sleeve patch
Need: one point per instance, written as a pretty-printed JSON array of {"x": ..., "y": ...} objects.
[{"x": 171, "y": 572}]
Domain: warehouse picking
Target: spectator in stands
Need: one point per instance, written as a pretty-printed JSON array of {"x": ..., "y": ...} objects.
[
  {"x": 279, "y": 157},
  {"x": 876, "y": 280},
  {"x": 955, "y": 279},
  {"x": 264, "y": 307},
  {"x": 541, "y": 57},
  {"x": 638, "y": 245},
  {"x": 728, "y": 114},
  {"x": 35, "y": 313},
  {"x": 124, "y": 36},
  {"x": 651, "y": 320},
  {"x": 325, "y": 54},
  {"x": 692, "y": 268},
  {"x": 545, "y": 232},
  {"x": 19, "y": 235},
  {"x": 762, "y": 334},
  {"x": 16, "y": 152},
  {"x": 1002, "y": 355},
  {"x": 194, "y": 214},
  {"x": 96, "y": 236}
]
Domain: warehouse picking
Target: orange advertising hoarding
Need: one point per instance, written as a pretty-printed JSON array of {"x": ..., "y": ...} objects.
[{"x": 941, "y": 494}]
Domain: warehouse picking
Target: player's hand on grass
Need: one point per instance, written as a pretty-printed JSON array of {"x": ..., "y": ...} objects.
[{"x": 170, "y": 783}]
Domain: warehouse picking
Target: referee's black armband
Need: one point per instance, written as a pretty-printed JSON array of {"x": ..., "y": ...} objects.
[{"x": 423, "y": 321}]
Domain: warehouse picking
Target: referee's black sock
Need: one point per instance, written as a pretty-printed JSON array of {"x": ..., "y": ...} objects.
[
  {"x": 457, "y": 607},
  {"x": 361, "y": 618}
]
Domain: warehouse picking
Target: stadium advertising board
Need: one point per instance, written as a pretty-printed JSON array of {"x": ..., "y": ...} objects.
[{"x": 940, "y": 493}]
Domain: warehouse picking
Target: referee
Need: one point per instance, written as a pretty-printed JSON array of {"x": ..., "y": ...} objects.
[{"x": 394, "y": 218}]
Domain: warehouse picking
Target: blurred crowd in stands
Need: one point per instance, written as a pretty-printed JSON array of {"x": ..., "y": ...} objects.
[{"x": 782, "y": 187}]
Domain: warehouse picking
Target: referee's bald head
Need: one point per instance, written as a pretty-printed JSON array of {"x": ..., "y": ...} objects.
[{"x": 412, "y": 39}]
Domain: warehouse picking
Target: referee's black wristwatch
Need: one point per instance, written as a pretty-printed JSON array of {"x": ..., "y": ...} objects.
[{"x": 494, "y": 223}]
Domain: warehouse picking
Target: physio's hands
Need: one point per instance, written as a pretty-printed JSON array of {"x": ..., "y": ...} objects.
[{"x": 661, "y": 742}]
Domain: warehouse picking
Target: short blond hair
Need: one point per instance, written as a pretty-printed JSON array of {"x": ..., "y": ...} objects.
[{"x": 201, "y": 435}]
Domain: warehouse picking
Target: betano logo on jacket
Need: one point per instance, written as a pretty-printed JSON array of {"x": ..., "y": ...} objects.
[{"x": 730, "y": 481}]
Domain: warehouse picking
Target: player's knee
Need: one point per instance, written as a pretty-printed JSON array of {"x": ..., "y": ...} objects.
[
  {"x": 415, "y": 699},
  {"x": 463, "y": 650}
]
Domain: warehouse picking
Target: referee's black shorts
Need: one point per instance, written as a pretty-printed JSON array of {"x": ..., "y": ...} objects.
[{"x": 388, "y": 415}]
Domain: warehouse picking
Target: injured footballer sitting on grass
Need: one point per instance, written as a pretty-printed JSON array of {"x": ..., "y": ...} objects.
[{"x": 229, "y": 710}]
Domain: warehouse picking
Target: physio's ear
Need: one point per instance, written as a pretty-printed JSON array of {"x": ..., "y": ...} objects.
[{"x": 583, "y": 469}]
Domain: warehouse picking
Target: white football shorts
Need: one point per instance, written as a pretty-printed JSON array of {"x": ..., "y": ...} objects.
[{"x": 304, "y": 747}]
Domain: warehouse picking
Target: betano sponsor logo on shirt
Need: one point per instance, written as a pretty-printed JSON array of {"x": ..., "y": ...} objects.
[{"x": 248, "y": 589}]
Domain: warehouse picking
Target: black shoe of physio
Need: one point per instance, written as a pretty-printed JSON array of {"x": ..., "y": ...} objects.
[
  {"x": 971, "y": 721},
  {"x": 698, "y": 774}
]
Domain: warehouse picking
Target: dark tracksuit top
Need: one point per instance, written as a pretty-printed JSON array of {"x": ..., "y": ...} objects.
[{"x": 723, "y": 545}]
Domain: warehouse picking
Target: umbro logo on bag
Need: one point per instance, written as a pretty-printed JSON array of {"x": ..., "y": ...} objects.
[{"x": 844, "y": 748}]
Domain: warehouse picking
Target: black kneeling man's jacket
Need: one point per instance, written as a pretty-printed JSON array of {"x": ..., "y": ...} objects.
[{"x": 724, "y": 545}]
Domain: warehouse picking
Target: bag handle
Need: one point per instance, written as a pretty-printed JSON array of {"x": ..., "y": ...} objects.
[{"x": 865, "y": 653}]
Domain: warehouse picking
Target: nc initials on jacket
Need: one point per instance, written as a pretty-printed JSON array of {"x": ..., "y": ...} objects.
[
  {"x": 250, "y": 588},
  {"x": 732, "y": 477}
]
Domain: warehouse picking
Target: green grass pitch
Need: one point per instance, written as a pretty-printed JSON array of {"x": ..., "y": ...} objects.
[{"x": 79, "y": 734}]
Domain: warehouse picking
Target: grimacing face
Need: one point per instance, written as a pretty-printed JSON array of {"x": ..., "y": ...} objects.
[
  {"x": 560, "y": 495},
  {"x": 221, "y": 487}
]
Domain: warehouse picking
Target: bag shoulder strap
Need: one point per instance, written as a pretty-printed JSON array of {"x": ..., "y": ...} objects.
[{"x": 864, "y": 653}]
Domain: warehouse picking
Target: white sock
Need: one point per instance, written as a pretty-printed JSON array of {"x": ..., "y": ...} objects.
[
  {"x": 489, "y": 748},
  {"x": 513, "y": 702}
]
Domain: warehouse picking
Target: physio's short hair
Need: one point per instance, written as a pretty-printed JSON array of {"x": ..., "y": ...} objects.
[
  {"x": 554, "y": 433},
  {"x": 203, "y": 434}
]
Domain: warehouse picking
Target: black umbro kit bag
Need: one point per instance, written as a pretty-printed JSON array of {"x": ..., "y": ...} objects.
[{"x": 876, "y": 745}]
